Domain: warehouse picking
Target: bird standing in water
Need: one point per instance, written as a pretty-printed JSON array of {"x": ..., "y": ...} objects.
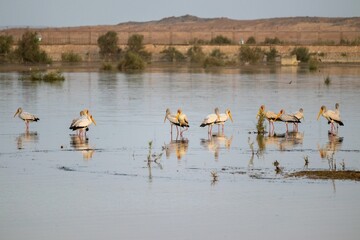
[{"x": 26, "y": 117}]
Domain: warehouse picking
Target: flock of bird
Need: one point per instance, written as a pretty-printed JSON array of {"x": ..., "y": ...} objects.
[{"x": 81, "y": 124}]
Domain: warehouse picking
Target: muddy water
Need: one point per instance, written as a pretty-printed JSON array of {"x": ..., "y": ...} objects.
[{"x": 56, "y": 185}]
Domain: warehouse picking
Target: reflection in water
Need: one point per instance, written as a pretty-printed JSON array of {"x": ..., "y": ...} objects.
[
  {"x": 284, "y": 141},
  {"x": 80, "y": 143},
  {"x": 26, "y": 137},
  {"x": 215, "y": 142},
  {"x": 179, "y": 147},
  {"x": 328, "y": 151}
]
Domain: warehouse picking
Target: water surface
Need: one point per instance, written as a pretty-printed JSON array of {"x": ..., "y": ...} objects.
[{"x": 60, "y": 186}]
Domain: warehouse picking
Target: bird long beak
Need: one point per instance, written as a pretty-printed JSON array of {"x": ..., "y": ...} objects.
[
  {"x": 93, "y": 120},
  {"x": 17, "y": 111},
  {"x": 230, "y": 117},
  {"x": 277, "y": 116},
  {"x": 320, "y": 112}
]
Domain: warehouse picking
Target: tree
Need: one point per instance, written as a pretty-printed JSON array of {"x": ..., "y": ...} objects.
[
  {"x": 251, "y": 40},
  {"x": 220, "y": 40},
  {"x": 250, "y": 55},
  {"x": 136, "y": 45},
  {"x": 29, "y": 49},
  {"x": 302, "y": 54},
  {"x": 108, "y": 44},
  {"x": 196, "y": 54},
  {"x": 171, "y": 54},
  {"x": 271, "y": 55},
  {"x": 5, "y": 44}
]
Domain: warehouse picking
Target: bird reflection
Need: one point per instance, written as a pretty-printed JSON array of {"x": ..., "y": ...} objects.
[
  {"x": 179, "y": 147},
  {"x": 26, "y": 137},
  {"x": 81, "y": 143},
  {"x": 215, "y": 142},
  {"x": 285, "y": 141},
  {"x": 331, "y": 147}
]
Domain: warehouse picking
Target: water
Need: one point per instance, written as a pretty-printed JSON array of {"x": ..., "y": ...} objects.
[{"x": 59, "y": 186}]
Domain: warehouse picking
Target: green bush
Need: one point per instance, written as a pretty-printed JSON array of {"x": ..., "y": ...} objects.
[
  {"x": 271, "y": 55},
  {"x": 302, "y": 54},
  {"x": 108, "y": 44},
  {"x": 107, "y": 67},
  {"x": 171, "y": 54},
  {"x": 250, "y": 55},
  {"x": 251, "y": 40},
  {"x": 51, "y": 76},
  {"x": 220, "y": 40},
  {"x": 272, "y": 41},
  {"x": 313, "y": 64},
  {"x": 136, "y": 45},
  {"x": 215, "y": 59},
  {"x": 29, "y": 49},
  {"x": 70, "y": 57},
  {"x": 196, "y": 54},
  {"x": 5, "y": 44},
  {"x": 131, "y": 61}
]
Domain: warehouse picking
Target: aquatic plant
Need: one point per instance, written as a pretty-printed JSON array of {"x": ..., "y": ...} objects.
[
  {"x": 214, "y": 177},
  {"x": 106, "y": 67},
  {"x": 260, "y": 126},
  {"x": 327, "y": 80},
  {"x": 52, "y": 76}
]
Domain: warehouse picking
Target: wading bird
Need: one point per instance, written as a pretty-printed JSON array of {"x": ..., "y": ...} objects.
[
  {"x": 173, "y": 121},
  {"x": 210, "y": 120},
  {"x": 270, "y": 116},
  {"x": 224, "y": 117},
  {"x": 26, "y": 117},
  {"x": 299, "y": 115},
  {"x": 82, "y": 123},
  {"x": 331, "y": 116},
  {"x": 84, "y": 112},
  {"x": 183, "y": 121},
  {"x": 287, "y": 118}
]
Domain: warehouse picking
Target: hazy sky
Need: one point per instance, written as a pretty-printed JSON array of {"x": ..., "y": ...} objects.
[{"x": 90, "y": 12}]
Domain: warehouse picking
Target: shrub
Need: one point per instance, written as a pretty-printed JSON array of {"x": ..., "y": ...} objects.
[
  {"x": 196, "y": 54},
  {"x": 5, "y": 44},
  {"x": 250, "y": 55},
  {"x": 106, "y": 67},
  {"x": 136, "y": 45},
  {"x": 271, "y": 55},
  {"x": 171, "y": 54},
  {"x": 51, "y": 76},
  {"x": 70, "y": 57},
  {"x": 216, "y": 59},
  {"x": 251, "y": 40},
  {"x": 131, "y": 61},
  {"x": 302, "y": 54},
  {"x": 29, "y": 49},
  {"x": 108, "y": 44},
  {"x": 220, "y": 40},
  {"x": 272, "y": 41},
  {"x": 313, "y": 64}
]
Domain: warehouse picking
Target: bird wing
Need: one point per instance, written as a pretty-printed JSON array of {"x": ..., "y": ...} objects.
[
  {"x": 288, "y": 118},
  {"x": 81, "y": 122},
  {"x": 333, "y": 116},
  {"x": 28, "y": 116},
  {"x": 209, "y": 119},
  {"x": 223, "y": 118},
  {"x": 173, "y": 120}
]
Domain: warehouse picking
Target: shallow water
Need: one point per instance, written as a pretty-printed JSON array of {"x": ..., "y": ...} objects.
[{"x": 59, "y": 186}]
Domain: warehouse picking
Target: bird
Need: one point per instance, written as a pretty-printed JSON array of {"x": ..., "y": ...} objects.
[
  {"x": 173, "y": 121},
  {"x": 82, "y": 123},
  {"x": 299, "y": 115},
  {"x": 270, "y": 116},
  {"x": 210, "y": 120},
  {"x": 337, "y": 111},
  {"x": 183, "y": 121},
  {"x": 84, "y": 112},
  {"x": 287, "y": 118},
  {"x": 224, "y": 117},
  {"x": 26, "y": 117},
  {"x": 331, "y": 116}
]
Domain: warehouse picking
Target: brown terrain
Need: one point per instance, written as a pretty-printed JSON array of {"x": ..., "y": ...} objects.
[{"x": 320, "y": 35}]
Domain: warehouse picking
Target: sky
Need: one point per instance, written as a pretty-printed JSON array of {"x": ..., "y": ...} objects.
[{"x": 67, "y": 13}]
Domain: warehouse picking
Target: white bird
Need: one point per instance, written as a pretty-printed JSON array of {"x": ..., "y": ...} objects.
[
  {"x": 173, "y": 120},
  {"x": 223, "y": 117},
  {"x": 337, "y": 111},
  {"x": 299, "y": 115},
  {"x": 270, "y": 116},
  {"x": 26, "y": 117},
  {"x": 82, "y": 123},
  {"x": 210, "y": 120},
  {"x": 84, "y": 112},
  {"x": 183, "y": 121},
  {"x": 287, "y": 118},
  {"x": 331, "y": 116}
]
